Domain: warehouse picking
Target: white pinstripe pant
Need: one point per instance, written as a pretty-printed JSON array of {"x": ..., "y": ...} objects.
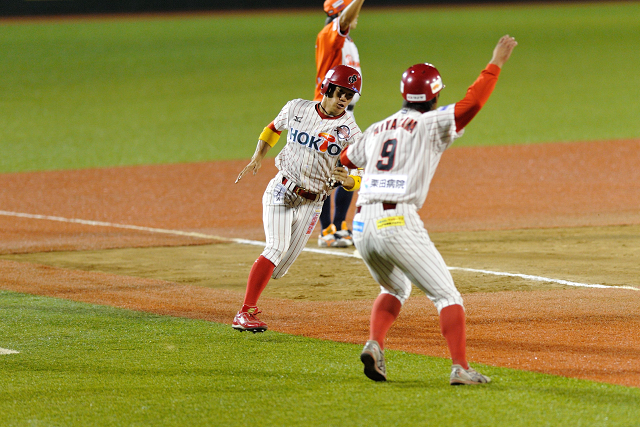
[
  {"x": 398, "y": 255},
  {"x": 288, "y": 222}
]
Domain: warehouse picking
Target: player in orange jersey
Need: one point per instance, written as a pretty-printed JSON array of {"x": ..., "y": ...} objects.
[{"x": 334, "y": 46}]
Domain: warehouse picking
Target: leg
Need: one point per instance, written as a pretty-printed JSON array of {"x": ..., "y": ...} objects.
[
  {"x": 433, "y": 277},
  {"x": 344, "y": 236},
  {"x": 343, "y": 202},
  {"x": 385, "y": 311},
  {"x": 304, "y": 221},
  {"x": 327, "y": 236},
  {"x": 395, "y": 290},
  {"x": 277, "y": 223},
  {"x": 325, "y": 216},
  {"x": 453, "y": 328}
]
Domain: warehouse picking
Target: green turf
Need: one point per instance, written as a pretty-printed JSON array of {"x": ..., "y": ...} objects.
[
  {"x": 182, "y": 89},
  {"x": 82, "y": 364}
]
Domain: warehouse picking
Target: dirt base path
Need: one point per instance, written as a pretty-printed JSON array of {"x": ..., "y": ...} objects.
[{"x": 489, "y": 208}]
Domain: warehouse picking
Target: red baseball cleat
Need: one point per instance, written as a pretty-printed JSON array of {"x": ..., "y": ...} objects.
[{"x": 247, "y": 321}]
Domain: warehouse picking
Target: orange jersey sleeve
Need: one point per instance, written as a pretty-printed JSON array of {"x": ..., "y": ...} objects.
[
  {"x": 477, "y": 95},
  {"x": 329, "y": 45}
]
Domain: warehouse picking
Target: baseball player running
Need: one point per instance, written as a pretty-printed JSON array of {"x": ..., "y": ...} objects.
[
  {"x": 334, "y": 46},
  {"x": 317, "y": 134},
  {"x": 400, "y": 155}
]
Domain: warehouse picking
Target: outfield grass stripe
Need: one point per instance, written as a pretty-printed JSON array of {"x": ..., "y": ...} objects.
[{"x": 318, "y": 251}]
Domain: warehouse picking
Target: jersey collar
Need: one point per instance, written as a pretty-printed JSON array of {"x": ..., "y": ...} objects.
[{"x": 325, "y": 117}]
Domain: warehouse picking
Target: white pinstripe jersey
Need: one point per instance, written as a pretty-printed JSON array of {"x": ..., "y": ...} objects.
[
  {"x": 314, "y": 143},
  {"x": 400, "y": 155}
]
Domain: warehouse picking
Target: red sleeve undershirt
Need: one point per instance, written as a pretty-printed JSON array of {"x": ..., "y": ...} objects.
[
  {"x": 477, "y": 95},
  {"x": 465, "y": 109},
  {"x": 345, "y": 160},
  {"x": 273, "y": 128}
]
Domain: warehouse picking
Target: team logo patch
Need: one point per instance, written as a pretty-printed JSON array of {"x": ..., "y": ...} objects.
[
  {"x": 326, "y": 139},
  {"x": 323, "y": 142},
  {"x": 343, "y": 132},
  {"x": 353, "y": 78}
]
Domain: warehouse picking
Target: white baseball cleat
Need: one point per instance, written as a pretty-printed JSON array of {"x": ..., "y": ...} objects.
[
  {"x": 461, "y": 376},
  {"x": 373, "y": 358}
]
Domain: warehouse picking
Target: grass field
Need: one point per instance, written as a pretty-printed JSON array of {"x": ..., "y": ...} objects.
[
  {"x": 180, "y": 89},
  {"x": 82, "y": 364},
  {"x": 96, "y": 93}
]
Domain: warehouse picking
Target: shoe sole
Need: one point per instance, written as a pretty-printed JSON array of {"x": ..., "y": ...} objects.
[
  {"x": 254, "y": 330},
  {"x": 370, "y": 369},
  {"x": 466, "y": 382}
]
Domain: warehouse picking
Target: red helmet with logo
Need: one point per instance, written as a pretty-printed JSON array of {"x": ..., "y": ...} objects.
[
  {"x": 343, "y": 76},
  {"x": 420, "y": 83},
  {"x": 333, "y": 7}
]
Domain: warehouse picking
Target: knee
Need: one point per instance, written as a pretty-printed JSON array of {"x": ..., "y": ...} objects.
[
  {"x": 446, "y": 301},
  {"x": 402, "y": 295}
]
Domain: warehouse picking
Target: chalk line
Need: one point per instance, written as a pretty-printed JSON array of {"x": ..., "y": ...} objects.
[
  {"x": 7, "y": 351},
  {"x": 318, "y": 251}
]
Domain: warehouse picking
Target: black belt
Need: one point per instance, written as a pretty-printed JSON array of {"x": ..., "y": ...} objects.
[
  {"x": 385, "y": 206},
  {"x": 309, "y": 195}
]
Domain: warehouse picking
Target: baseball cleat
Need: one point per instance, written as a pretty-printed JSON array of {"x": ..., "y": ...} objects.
[
  {"x": 373, "y": 358},
  {"x": 461, "y": 376},
  {"x": 327, "y": 238},
  {"x": 247, "y": 321},
  {"x": 344, "y": 237}
]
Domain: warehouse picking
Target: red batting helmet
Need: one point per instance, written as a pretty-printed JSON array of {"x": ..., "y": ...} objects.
[
  {"x": 343, "y": 76},
  {"x": 334, "y": 7},
  {"x": 420, "y": 83}
]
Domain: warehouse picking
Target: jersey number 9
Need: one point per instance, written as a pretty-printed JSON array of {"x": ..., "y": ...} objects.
[{"x": 387, "y": 155}]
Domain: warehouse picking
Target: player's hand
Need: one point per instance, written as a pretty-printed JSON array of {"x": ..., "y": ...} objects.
[
  {"x": 503, "y": 49},
  {"x": 254, "y": 165},
  {"x": 338, "y": 176}
]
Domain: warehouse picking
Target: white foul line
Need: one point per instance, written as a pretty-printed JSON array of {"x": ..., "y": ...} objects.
[
  {"x": 7, "y": 351},
  {"x": 319, "y": 251}
]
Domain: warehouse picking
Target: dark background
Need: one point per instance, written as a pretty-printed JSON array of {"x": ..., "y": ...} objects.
[{"x": 64, "y": 7}]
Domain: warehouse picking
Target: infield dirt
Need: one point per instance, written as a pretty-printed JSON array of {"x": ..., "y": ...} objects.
[{"x": 564, "y": 211}]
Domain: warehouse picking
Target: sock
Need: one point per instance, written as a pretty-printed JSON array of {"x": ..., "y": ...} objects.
[
  {"x": 452, "y": 326},
  {"x": 258, "y": 278},
  {"x": 384, "y": 312},
  {"x": 342, "y": 204}
]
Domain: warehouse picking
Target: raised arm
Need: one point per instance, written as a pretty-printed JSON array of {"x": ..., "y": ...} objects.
[
  {"x": 479, "y": 92},
  {"x": 349, "y": 15},
  {"x": 503, "y": 49}
]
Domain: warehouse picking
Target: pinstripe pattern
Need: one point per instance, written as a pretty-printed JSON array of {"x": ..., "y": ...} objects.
[
  {"x": 417, "y": 152},
  {"x": 312, "y": 152},
  {"x": 400, "y": 155},
  {"x": 399, "y": 256},
  {"x": 287, "y": 228},
  {"x": 299, "y": 160}
]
